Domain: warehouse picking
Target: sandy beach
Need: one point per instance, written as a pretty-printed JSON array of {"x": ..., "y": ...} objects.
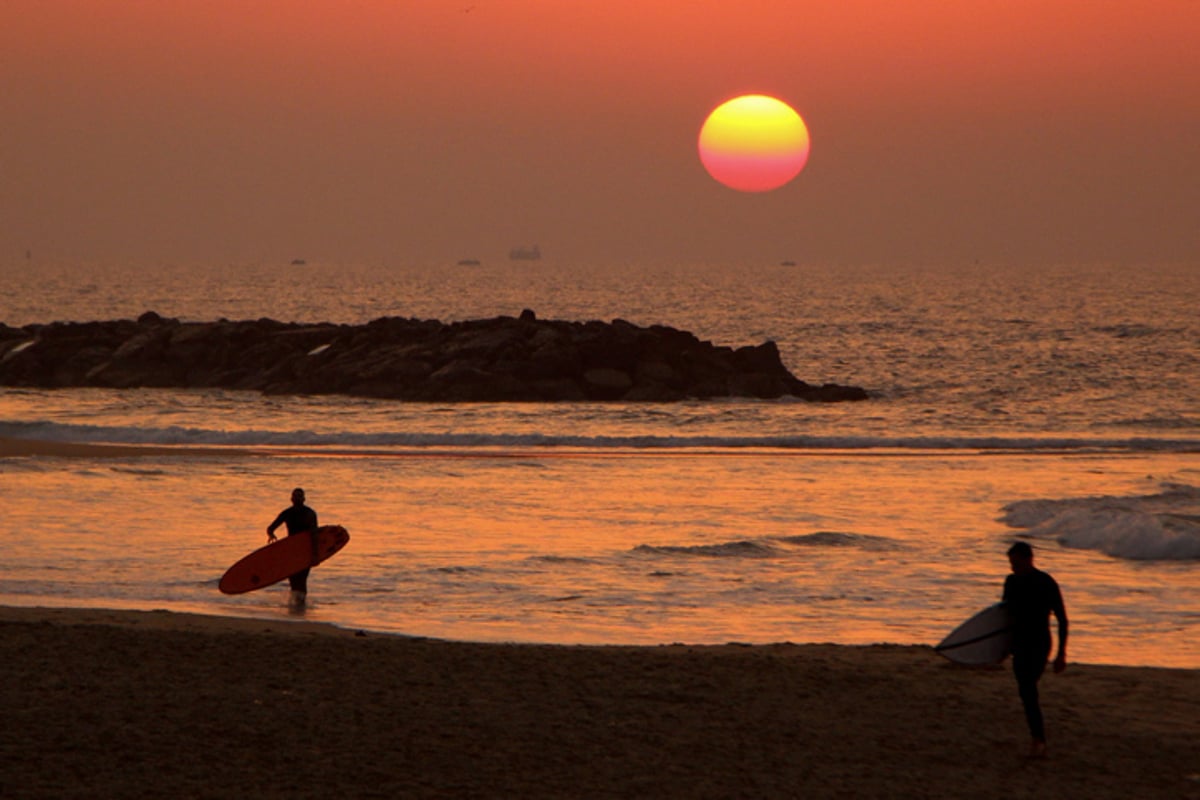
[{"x": 152, "y": 704}]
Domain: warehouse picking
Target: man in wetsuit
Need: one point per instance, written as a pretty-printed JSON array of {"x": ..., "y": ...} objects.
[
  {"x": 298, "y": 518},
  {"x": 1031, "y": 596}
]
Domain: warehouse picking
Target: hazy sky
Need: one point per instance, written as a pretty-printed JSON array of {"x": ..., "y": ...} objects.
[{"x": 410, "y": 130}]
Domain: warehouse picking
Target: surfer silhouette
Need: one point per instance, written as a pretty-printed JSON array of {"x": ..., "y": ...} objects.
[
  {"x": 298, "y": 518},
  {"x": 1031, "y": 596}
]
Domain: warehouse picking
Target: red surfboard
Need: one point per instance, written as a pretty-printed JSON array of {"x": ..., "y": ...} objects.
[{"x": 282, "y": 559}]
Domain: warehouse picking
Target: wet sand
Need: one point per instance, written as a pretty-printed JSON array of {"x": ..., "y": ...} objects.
[{"x": 152, "y": 704}]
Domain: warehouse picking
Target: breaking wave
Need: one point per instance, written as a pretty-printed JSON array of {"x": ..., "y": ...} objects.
[
  {"x": 739, "y": 549},
  {"x": 771, "y": 546},
  {"x": 1163, "y": 526},
  {"x": 177, "y": 435},
  {"x": 836, "y": 539}
]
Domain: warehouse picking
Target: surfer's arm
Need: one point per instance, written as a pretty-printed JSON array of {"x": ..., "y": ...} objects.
[
  {"x": 1060, "y": 613},
  {"x": 271, "y": 528}
]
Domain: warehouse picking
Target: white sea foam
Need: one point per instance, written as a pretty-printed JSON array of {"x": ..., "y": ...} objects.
[
  {"x": 1124, "y": 534},
  {"x": 1164, "y": 526}
]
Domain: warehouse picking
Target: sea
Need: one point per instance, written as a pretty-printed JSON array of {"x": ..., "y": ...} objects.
[{"x": 1053, "y": 404}]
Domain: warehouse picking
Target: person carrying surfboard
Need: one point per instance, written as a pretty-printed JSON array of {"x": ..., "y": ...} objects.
[
  {"x": 299, "y": 518},
  {"x": 1031, "y": 596}
]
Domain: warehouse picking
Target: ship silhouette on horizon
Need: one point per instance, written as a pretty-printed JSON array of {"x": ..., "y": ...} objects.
[{"x": 525, "y": 253}]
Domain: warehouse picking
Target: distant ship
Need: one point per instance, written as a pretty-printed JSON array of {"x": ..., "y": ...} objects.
[
  {"x": 469, "y": 262},
  {"x": 525, "y": 253},
  {"x": 298, "y": 262}
]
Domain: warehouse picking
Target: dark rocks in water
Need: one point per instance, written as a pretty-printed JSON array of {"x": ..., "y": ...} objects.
[{"x": 501, "y": 359}]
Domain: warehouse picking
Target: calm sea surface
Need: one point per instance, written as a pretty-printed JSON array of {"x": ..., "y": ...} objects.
[{"x": 1058, "y": 405}]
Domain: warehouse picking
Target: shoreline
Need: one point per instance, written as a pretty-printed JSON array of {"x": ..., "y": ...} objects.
[
  {"x": 150, "y": 615},
  {"x": 141, "y": 704},
  {"x": 147, "y": 618}
]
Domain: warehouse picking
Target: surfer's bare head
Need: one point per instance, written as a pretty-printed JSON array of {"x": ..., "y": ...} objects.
[
  {"x": 297, "y": 495},
  {"x": 1020, "y": 556}
]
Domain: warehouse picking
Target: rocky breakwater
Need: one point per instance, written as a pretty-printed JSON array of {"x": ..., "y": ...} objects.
[{"x": 503, "y": 359}]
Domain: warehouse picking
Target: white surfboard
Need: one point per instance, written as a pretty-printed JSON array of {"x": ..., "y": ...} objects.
[{"x": 985, "y": 638}]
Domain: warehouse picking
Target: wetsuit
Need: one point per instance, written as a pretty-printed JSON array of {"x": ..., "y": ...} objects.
[
  {"x": 298, "y": 518},
  {"x": 1031, "y": 597}
]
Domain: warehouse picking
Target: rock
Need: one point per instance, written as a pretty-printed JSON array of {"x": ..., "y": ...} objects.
[
  {"x": 606, "y": 384},
  {"x": 490, "y": 360},
  {"x": 656, "y": 372},
  {"x": 762, "y": 385},
  {"x": 763, "y": 358}
]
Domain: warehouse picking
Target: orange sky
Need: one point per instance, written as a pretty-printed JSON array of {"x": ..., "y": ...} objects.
[{"x": 412, "y": 130}]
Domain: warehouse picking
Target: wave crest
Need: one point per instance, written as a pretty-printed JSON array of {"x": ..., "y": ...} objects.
[
  {"x": 1157, "y": 527},
  {"x": 769, "y": 547},
  {"x": 738, "y": 549},
  {"x": 837, "y": 539},
  {"x": 178, "y": 435}
]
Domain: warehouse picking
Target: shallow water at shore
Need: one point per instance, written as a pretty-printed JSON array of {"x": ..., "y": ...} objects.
[{"x": 615, "y": 547}]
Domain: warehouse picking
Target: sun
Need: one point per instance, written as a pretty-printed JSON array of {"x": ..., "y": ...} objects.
[{"x": 754, "y": 143}]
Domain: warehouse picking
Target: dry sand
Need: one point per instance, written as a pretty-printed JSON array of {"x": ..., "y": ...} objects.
[{"x": 156, "y": 704}]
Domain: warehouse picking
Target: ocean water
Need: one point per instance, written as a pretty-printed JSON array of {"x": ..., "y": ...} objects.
[{"x": 1057, "y": 405}]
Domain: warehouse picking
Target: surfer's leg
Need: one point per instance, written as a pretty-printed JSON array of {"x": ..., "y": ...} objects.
[
  {"x": 1028, "y": 669},
  {"x": 299, "y": 584},
  {"x": 299, "y": 581}
]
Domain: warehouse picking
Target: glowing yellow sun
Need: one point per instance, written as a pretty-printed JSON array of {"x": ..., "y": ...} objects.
[{"x": 754, "y": 143}]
